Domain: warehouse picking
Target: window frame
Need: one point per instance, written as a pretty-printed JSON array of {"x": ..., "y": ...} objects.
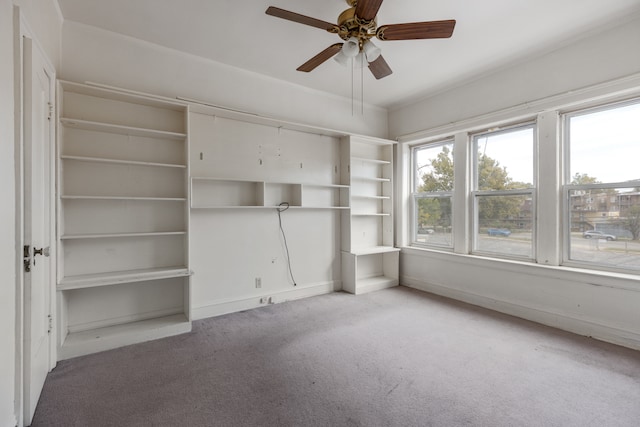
[
  {"x": 475, "y": 194},
  {"x": 567, "y": 187},
  {"x": 415, "y": 195}
]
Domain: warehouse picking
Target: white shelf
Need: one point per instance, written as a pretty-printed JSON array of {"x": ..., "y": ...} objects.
[
  {"x": 233, "y": 207},
  {"x": 321, "y": 207},
  {"x": 272, "y": 207},
  {"x": 370, "y": 284},
  {"x": 210, "y": 178},
  {"x": 369, "y": 260},
  {"x": 123, "y": 271},
  {"x": 370, "y": 214},
  {"x": 375, "y": 250},
  {"x": 358, "y": 196},
  {"x": 120, "y": 129},
  {"x": 157, "y": 199},
  {"x": 370, "y": 178},
  {"x": 121, "y": 162},
  {"x": 256, "y": 194},
  {"x": 250, "y": 181},
  {"x": 101, "y": 339},
  {"x": 117, "y": 235},
  {"x": 117, "y": 277},
  {"x": 325, "y": 185},
  {"x": 112, "y": 93},
  {"x": 370, "y": 160}
]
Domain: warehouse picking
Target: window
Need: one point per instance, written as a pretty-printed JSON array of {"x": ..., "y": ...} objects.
[
  {"x": 603, "y": 186},
  {"x": 432, "y": 194},
  {"x": 503, "y": 192}
]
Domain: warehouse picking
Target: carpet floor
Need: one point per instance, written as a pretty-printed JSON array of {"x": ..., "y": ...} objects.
[{"x": 396, "y": 357}]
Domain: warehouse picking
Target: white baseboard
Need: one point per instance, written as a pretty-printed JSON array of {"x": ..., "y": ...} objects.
[
  {"x": 217, "y": 308},
  {"x": 561, "y": 321}
]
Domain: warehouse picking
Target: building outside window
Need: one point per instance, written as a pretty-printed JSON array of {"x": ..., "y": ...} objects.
[{"x": 603, "y": 186}]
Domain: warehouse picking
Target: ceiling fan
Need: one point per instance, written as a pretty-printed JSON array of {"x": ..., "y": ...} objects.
[{"x": 356, "y": 26}]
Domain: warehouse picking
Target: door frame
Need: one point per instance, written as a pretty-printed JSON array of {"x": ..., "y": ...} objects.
[{"x": 23, "y": 30}]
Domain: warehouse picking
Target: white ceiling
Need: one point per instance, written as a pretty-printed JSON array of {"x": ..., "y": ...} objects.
[{"x": 489, "y": 34}]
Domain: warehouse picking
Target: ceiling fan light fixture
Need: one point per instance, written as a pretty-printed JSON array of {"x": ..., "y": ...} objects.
[
  {"x": 342, "y": 59},
  {"x": 359, "y": 61},
  {"x": 371, "y": 51},
  {"x": 351, "y": 47}
]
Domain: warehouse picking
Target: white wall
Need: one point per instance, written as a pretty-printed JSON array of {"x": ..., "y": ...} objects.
[
  {"x": 594, "y": 304},
  {"x": 92, "y": 54},
  {"x": 605, "y": 56}
]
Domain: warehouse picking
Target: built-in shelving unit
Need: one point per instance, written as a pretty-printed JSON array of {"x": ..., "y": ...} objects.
[
  {"x": 215, "y": 193},
  {"x": 123, "y": 219},
  {"x": 369, "y": 258}
]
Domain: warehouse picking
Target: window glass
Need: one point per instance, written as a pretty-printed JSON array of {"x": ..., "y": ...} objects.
[
  {"x": 604, "y": 218},
  {"x": 503, "y": 195},
  {"x": 433, "y": 191},
  {"x": 605, "y": 145},
  {"x": 505, "y": 159},
  {"x": 504, "y": 224},
  {"x": 433, "y": 225}
]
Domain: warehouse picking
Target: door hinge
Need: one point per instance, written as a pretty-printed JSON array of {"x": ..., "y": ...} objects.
[
  {"x": 50, "y": 317},
  {"x": 50, "y": 110}
]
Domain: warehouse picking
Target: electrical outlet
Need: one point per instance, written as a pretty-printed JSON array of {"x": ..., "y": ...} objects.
[{"x": 258, "y": 282}]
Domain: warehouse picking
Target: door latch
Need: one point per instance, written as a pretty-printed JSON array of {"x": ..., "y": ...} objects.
[{"x": 26, "y": 254}]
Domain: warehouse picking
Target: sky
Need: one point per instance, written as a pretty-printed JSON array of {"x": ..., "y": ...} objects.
[
  {"x": 604, "y": 144},
  {"x": 513, "y": 151}
]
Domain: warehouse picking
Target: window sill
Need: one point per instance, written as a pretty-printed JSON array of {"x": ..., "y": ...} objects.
[{"x": 618, "y": 280}]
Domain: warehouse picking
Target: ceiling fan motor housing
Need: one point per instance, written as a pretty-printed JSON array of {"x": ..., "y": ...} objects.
[{"x": 352, "y": 26}]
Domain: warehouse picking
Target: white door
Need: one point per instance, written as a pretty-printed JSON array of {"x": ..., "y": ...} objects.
[{"x": 38, "y": 99}]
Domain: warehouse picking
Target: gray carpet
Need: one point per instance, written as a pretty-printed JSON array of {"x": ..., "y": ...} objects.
[{"x": 396, "y": 357}]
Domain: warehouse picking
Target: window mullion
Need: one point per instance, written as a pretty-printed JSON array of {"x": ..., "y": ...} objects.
[
  {"x": 549, "y": 171},
  {"x": 461, "y": 208}
]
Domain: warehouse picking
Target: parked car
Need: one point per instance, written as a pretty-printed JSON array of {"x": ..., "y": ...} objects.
[
  {"x": 423, "y": 230},
  {"x": 594, "y": 234},
  {"x": 499, "y": 232}
]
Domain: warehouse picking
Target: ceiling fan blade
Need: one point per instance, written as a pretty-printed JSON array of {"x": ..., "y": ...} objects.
[
  {"x": 379, "y": 68},
  {"x": 301, "y": 19},
  {"x": 329, "y": 52},
  {"x": 417, "y": 30},
  {"x": 367, "y": 9}
]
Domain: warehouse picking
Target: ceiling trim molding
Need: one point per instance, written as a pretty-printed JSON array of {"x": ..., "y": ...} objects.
[{"x": 611, "y": 90}]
